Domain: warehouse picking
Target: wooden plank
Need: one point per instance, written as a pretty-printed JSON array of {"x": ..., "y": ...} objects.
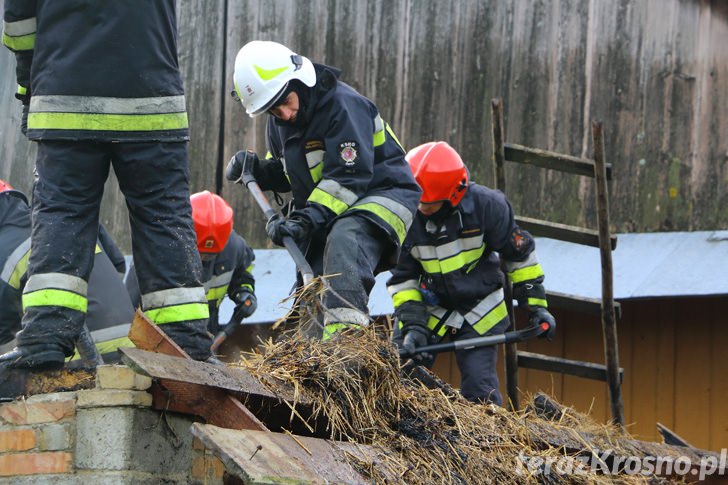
[
  {"x": 551, "y": 160},
  {"x": 535, "y": 380},
  {"x": 669, "y": 437},
  {"x": 563, "y": 232},
  {"x": 591, "y": 306},
  {"x": 664, "y": 313},
  {"x": 587, "y": 370},
  {"x": 215, "y": 405},
  {"x": 148, "y": 336},
  {"x": 511, "y": 396},
  {"x": 258, "y": 457}
]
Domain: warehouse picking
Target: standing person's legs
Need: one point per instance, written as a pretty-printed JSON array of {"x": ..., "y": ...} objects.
[
  {"x": 354, "y": 247},
  {"x": 154, "y": 178},
  {"x": 66, "y": 199},
  {"x": 479, "y": 381}
]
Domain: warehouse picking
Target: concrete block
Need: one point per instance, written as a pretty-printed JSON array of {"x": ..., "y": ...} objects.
[
  {"x": 102, "y": 478},
  {"x": 36, "y": 463},
  {"x": 112, "y": 398},
  {"x": 55, "y": 437},
  {"x": 128, "y": 438},
  {"x": 17, "y": 440},
  {"x": 43, "y": 408},
  {"x": 121, "y": 377}
]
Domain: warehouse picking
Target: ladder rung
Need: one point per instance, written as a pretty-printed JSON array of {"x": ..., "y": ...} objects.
[
  {"x": 562, "y": 232},
  {"x": 552, "y": 160},
  {"x": 588, "y": 370}
]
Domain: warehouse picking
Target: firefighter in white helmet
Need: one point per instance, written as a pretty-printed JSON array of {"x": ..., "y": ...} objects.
[{"x": 354, "y": 196}]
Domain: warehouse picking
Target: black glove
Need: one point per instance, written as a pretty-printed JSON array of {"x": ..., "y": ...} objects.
[
  {"x": 277, "y": 228},
  {"x": 537, "y": 316},
  {"x": 416, "y": 336},
  {"x": 245, "y": 161},
  {"x": 413, "y": 316},
  {"x": 246, "y": 303},
  {"x": 24, "y": 119}
]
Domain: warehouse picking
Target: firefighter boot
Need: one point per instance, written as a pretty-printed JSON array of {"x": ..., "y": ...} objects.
[{"x": 33, "y": 357}]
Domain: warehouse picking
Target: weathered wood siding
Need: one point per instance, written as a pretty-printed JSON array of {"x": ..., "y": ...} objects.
[{"x": 655, "y": 71}]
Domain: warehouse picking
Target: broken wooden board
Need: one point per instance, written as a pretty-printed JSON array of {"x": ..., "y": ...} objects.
[
  {"x": 148, "y": 336},
  {"x": 21, "y": 382},
  {"x": 257, "y": 457},
  {"x": 188, "y": 386},
  {"x": 213, "y": 404}
]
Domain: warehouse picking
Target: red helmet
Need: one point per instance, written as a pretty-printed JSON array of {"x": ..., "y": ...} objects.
[
  {"x": 6, "y": 187},
  {"x": 439, "y": 171},
  {"x": 213, "y": 220}
]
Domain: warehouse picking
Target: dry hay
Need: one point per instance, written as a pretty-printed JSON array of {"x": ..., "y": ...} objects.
[{"x": 422, "y": 435}]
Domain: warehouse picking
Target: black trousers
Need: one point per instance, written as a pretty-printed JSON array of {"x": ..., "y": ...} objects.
[
  {"x": 353, "y": 251},
  {"x": 154, "y": 179},
  {"x": 479, "y": 378}
]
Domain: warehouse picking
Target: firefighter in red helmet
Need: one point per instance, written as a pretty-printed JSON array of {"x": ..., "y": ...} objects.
[
  {"x": 227, "y": 260},
  {"x": 448, "y": 279}
]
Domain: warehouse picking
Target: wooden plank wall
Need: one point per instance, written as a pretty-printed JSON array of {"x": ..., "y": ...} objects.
[
  {"x": 673, "y": 352},
  {"x": 655, "y": 71}
]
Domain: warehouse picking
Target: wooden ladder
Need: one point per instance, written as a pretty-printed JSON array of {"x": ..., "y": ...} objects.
[{"x": 601, "y": 238}]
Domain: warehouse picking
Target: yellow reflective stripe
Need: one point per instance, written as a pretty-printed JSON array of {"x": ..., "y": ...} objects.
[
  {"x": 491, "y": 319},
  {"x": 179, "y": 313},
  {"x": 268, "y": 74},
  {"x": 525, "y": 274},
  {"x": 22, "y": 90},
  {"x": 379, "y": 138},
  {"x": 394, "y": 137},
  {"x": 107, "y": 347},
  {"x": 97, "y": 250},
  {"x": 20, "y": 269},
  {"x": 333, "y": 328},
  {"x": 247, "y": 287},
  {"x": 327, "y": 200},
  {"x": 453, "y": 263},
  {"x": 20, "y": 43},
  {"x": 317, "y": 173},
  {"x": 406, "y": 295},
  {"x": 250, "y": 268},
  {"x": 432, "y": 323},
  {"x": 50, "y": 297},
  {"x": 216, "y": 293},
  {"x": 107, "y": 122},
  {"x": 387, "y": 216},
  {"x": 538, "y": 302}
]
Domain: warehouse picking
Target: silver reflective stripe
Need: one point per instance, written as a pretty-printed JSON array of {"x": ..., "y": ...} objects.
[
  {"x": 20, "y": 27},
  {"x": 57, "y": 281},
  {"x": 454, "y": 320},
  {"x": 100, "y": 104},
  {"x": 345, "y": 315},
  {"x": 378, "y": 124},
  {"x": 218, "y": 281},
  {"x": 511, "y": 266},
  {"x": 484, "y": 306},
  {"x": 173, "y": 296},
  {"x": 111, "y": 333},
  {"x": 314, "y": 158},
  {"x": 448, "y": 250},
  {"x": 338, "y": 191},
  {"x": 395, "y": 207},
  {"x": 13, "y": 260},
  {"x": 405, "y": 285}
]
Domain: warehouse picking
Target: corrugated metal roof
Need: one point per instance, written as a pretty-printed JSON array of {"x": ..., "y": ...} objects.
[{"x": 649, "y": 265}]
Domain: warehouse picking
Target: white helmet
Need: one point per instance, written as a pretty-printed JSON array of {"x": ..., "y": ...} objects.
[{"x": 262, "y": 73}]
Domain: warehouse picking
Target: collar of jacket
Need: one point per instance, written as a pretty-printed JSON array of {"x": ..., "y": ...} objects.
[{"x": 454, "y": 221}]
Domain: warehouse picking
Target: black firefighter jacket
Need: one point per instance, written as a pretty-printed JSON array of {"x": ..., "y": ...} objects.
[
  {"x": 98, "y": 70},
  {"x": 344, "y": 160},
  {"x": 455, "y": 263}
]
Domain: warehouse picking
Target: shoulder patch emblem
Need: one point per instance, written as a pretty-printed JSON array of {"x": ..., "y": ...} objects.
[{"x": 348, "y": 152}]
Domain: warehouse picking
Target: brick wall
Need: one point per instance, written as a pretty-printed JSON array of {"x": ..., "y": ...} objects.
[{"x": 108, "y": 434}]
